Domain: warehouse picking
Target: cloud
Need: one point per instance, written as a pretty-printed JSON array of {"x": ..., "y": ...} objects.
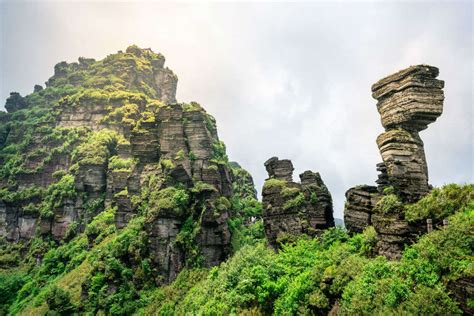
[{"x": 282, "y": 79}]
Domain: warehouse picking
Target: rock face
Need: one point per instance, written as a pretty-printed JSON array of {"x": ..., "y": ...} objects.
[
  {"x": 292, "y": 208},
  {"x": 360, "y": 201},
  {"x": 279, "y": 169},
  {"x": 115, "y": 127},
  {"x": 408, "y": 101}
]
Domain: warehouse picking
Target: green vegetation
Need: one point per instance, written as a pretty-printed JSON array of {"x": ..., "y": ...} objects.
[
  {"x": 10, "y": 283},
  {"x": 274, "y": 183},
  {"x": 56, "y": 194},
  {"x": 97, "y": 148},
  {"x": 219, "y": 153},
  {"x": 295, "y": 202},
  {"x": 121, "y": 164},
  {"x": 388, "y": 204},
  {"x": 59, "y": 301},
  {"x": 442, "y": 202},
  {"x": 307, "y": 277},
  {"x": 171, "y": 199}
]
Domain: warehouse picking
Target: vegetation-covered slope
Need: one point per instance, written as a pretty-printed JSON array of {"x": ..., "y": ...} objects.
[{"x": 335, "y": 272}]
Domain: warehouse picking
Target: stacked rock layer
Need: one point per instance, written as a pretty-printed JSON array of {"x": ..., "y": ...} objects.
[
  {"x": 291, "y": 208},
  {"x": 143, "y": 143},
  {"x": 408, "y": 101}
]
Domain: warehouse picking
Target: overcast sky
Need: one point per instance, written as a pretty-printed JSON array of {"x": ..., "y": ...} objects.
[{"x": 282, "y": 79}]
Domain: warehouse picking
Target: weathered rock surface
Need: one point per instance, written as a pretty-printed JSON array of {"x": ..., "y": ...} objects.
[
  {"x": 292, "y": 208},
  {"x": 359, "y": 204},
  {"x": 279, "y": 169},
  {"x": 394, "y": 232},
  {"x": 408, "y": 101},
  {"x": 158, "y": 144},
  {"x": 463, "y": 291}
]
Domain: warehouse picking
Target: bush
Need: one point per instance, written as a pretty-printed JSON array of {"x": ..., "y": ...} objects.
[
  {"x": 274, "y": 183},
  {"x": 121, "y": 164},
  {"x": 389, "y": 204},
  {"x": 219, "y": 152},
  {"x": 56, "y": 194},
  {"x": 442, "y": 202},
  {"x": 59, "y": 301},
  {"x": 10, "y": 283},
  {"x": 295, "y": 203},
  {"x": 97, "y": 148},
  {"x": 170, "y": 199},
  {"x": 101, "y": 226}
]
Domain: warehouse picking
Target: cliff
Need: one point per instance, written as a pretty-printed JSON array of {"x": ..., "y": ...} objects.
[{"x": 109, "y": 135}]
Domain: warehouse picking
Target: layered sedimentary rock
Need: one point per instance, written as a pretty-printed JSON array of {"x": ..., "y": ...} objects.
[
  {"x": 114, "y": 127},
  {"x": 292, "y": 208},
  {"x": 279, "y": 169},
  {"x": 408, "y": 101},
  {"x": 360, "y": 201}
]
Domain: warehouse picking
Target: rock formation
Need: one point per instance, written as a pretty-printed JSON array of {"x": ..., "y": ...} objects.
[
  {"x": 109, "y": 134},
  {"x": 292, "y": 208},
  {"x": 408, "y": 101},
  {"x": 360, "y": 201}
]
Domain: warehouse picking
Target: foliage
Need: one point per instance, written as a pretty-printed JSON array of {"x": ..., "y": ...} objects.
[
  {"x": 165, "y": 300},
  {"x": 56, "y": 194},
  {"x": 306, "y": 277},
  {"x": 242, "y": 183},
  {"x": 101, "y": 226},
  {"x": 98, "y": 147},
  {"x": 119, "y": 270},
  {"x": 167, "y": 164},
  {"x": 295, "y": 202},
  {"x": 59, "y": 301},
  {"x": 10, "y": 283},
  {"x": 219, "y": 152},
  {"x": 170, "y": 199},
  {"x": 442, "y": 202},
  {"x": 121, "y": 164},
  {"x": 388, "y": 204},
  {"x": 406, "y": 286},
  {"x": 187, "y": 241},
  {"x": 273, "y": 183},
  {"x": 200, "y": 187}
]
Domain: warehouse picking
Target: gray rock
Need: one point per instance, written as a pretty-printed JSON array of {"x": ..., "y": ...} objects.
[
  {"x": 408, "y": 101},
  {"x": 292, "y": 208}
]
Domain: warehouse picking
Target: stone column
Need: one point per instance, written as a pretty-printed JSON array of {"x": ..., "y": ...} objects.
[{"x": 408, "y": 101}]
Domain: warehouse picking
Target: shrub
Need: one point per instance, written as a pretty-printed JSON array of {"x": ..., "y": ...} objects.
[
  {"x": 59, "y": 301},
  {"x": 117, "y": 163},
  {"x": 101, "y": 226},
  {"x": 219, "y": 152},
  {"x": 56, "y": 194},
  {"x": 10, "y": 283},
  {"x": 170, "y": 199},
  {"x": 274, "y": 183},
  {"x": 442, "y": 202},
  {"x": 389, "y": 204},
  {"x": 294, "y": 203},
  {"x": 97, "y": 148},
  {"x": 167, "y": 164}
]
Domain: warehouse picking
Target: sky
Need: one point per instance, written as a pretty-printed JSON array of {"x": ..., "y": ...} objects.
[{"x": 286, "y": 79}]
